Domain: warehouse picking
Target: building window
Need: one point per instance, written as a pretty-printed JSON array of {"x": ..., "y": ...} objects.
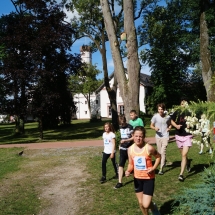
[
  {"x": 121, "y": 109},
  {"x": 85, "y": 102},
  {"x": 109, "y": 111},
  {"x": 85, "y": 112},
  {"x": 97, "y": 101}
]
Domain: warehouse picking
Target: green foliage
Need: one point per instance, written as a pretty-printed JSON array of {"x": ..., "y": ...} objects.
[
  {"x": 200, "y": 199},
  {"x": 118, "y": 139},
  {"x": 95, "y": 118},
  {"x": 85, "y": 80},
  {"x": 36, "y": 69},
  {"x": 170, "y": 56},
  {"x": 142, "y": 115}
]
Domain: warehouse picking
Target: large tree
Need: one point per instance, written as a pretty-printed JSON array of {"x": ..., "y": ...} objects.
[
  {"x": 38, "y": 67},
  {"x": 90, "y": 23},
  {"x": 173, "y": 35},
  {"x": 97, "y": 25},
  {"x": 207, "y": 26},
  {"x": 128, "y": 85}
]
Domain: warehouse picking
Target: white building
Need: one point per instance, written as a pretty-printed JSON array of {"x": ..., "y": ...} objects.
[
  {"x": 102, "y": 96},
  {"x": 100, "y": 103}
]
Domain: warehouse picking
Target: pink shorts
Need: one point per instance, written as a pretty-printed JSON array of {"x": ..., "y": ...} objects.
[{"x": 182, "y": 141}]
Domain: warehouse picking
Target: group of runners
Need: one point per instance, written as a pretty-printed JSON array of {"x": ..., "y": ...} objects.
[{"x": 139, "y": 154}]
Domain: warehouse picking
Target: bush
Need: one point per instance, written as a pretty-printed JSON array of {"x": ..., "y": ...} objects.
[
  {"x": 118, "y": 138},
  {"x": 200, "y": 199},
  {"x": 95, "y": 118},
  {"x": 146, "y": 118}
]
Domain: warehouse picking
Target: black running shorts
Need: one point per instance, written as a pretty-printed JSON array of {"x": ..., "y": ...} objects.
[{"x": 144, "y": 185}]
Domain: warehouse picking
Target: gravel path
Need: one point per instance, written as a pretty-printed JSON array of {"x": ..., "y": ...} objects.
[{"x": 66, "y": 144}]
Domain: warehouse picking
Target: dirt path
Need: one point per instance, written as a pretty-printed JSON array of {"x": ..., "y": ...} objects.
[{"x": 64, "y": 144}]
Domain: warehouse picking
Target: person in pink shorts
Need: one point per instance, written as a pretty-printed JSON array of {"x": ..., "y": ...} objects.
[{"x": 183, "y": 139}]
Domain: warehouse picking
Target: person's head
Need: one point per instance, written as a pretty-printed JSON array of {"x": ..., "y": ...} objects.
[
  {"x": 133, "y": 114},
  {"x": 108, "y": 127},
  {"x": 203, "y": 116},
  {"x": 161, "y": 108},
  {"x": 139, "y": 135},
  {"x": 183, "y": 102},
  {"x": 122, "y": 120}
]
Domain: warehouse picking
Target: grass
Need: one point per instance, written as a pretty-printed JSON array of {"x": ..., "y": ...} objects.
[
  {"x": 107, "y": 200},
  {"x": 19, "y": 197},
  {"x": 78, "y": 130},
  {"x": 20, "y": 182}
]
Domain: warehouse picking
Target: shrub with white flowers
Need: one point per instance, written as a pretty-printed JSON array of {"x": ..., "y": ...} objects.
[{"x": 195, "y": 125}]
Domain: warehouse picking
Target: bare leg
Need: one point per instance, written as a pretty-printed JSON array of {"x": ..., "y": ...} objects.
[
  {"x": 144, "y": 202},
  {"x": 201, "y": 147},
  {"x": 120, "y": 173},
  {"x": 184, "y": 152}
]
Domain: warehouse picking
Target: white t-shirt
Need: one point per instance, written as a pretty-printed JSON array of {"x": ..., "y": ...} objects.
[
  {"x": 206, "y": 126},
  {"x": 108, "y": 144},
  {"x": 162, "y": 123}
]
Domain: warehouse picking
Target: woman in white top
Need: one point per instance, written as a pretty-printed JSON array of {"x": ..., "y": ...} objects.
[{"x": 109, "y": 150}]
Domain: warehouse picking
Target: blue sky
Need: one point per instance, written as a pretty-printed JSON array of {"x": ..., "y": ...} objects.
[{"x": 6, "y": 7}]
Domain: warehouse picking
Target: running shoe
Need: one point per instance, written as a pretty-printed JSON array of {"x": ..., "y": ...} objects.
[
  {"x": 181, "y": 178},
  {"x": 160, "y": 172},
  {"x": 103, "y": 179},
  {"x": 155, "y": 211},
  {"x": 210, "y": 151},
  {"x": 118, "y": 185},
  {"x": 200, "y": 152}
]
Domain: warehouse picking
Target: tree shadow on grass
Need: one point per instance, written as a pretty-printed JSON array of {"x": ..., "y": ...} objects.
[
  {"x": 167, "y": 207},
  {"x": 128, "y": 182},
  {"x": 195, "y": 169}
]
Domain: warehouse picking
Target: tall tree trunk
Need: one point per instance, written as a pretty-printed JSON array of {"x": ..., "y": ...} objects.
[
  {"x": 89, "y": 106},
  {"x": 205, "y": 53},
  {"x": 112, "y": 92},
  {"x": 129, "y": 87}
]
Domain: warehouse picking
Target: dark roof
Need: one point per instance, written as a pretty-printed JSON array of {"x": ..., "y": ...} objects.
[{"x": 145, "y": 80}]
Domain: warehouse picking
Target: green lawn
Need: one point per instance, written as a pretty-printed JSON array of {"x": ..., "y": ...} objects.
[{"x": 78, "y": 130}]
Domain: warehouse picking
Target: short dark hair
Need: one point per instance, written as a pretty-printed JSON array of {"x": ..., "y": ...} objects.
[
  {"x": 183, "y": 98},
  {"x": 121, "y": 119},
  {"x": 162, "y": 105},
  {"x": 142, "y": 129},
  {"x": 133, "y": 111}
]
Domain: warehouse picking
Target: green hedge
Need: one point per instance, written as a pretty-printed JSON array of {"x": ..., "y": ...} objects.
[{"x": 200, "y": 199}]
